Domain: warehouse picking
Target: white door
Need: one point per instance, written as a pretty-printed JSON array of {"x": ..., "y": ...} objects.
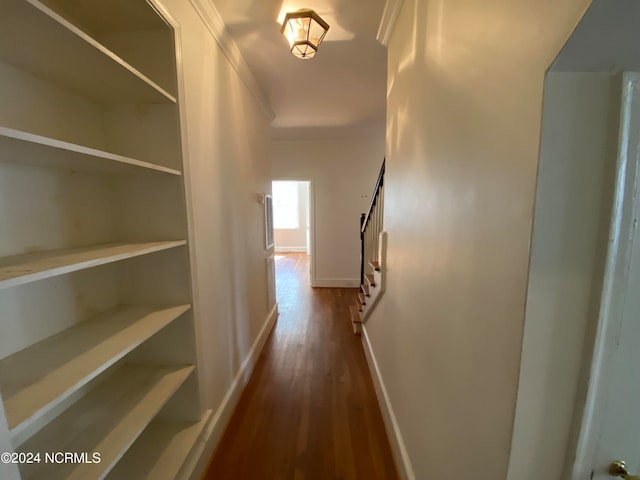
[{"x": 611, "y": 421}]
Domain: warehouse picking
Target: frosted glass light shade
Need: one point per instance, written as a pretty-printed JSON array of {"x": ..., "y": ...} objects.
[{"x": 304, "y": 30}]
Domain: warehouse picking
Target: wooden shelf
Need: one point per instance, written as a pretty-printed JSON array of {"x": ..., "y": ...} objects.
[
  {"x": 29, "y": 267},
  {"x": 107, "y": 420},
  {"x": 161, "y": 450},
  {"x": 27, "y": 148},
  {"x": 80, "y": 77},
  {"x": 37, "y": 379},
  {"x": 37, "y": 40},
  {"x": 97, "y": 16}
]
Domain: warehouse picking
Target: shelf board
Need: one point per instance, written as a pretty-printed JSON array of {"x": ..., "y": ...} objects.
[
  {"x": 107, "y": 420},
  {"x": 37, "y": 40},
  {"x": 40, "y": 377},
  {"x": 27, "y": 148},
  {"x": 161, "y": 450},
  {"x": 30, "y": 267},
  {"x": 113, "y": 16}
]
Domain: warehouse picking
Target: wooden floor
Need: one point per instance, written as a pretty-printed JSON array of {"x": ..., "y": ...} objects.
[{"x": 309, "y": 411}]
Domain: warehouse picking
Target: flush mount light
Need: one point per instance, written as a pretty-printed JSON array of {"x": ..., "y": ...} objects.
[{"x": 304, "y": 30}]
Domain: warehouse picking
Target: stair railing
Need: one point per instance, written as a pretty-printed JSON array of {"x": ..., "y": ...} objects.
[{"x": 371, "y": 224}]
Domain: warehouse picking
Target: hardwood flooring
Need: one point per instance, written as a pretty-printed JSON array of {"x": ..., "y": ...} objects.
[{"x": 309, "y": 411}]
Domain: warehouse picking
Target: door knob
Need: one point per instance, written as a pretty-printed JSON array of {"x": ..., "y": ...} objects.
[{"x": 619, "y": 469}]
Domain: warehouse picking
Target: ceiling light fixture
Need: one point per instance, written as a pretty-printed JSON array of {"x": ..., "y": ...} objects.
[{"x": 304, "y": 30}]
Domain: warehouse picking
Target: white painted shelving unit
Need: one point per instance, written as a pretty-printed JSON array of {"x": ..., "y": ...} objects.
[{"x": 97, "y": 338}]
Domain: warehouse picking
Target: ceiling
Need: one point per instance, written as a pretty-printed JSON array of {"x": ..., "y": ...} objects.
[{"x": 339, "y": 93}]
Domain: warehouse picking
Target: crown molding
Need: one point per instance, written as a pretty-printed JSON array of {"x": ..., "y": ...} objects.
[
  {"x": 389, "y": 17},
  {"x": 214, "y": 23}
]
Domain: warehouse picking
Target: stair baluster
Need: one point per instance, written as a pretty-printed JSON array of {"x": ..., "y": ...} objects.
[{"x": 371, "y": 225}]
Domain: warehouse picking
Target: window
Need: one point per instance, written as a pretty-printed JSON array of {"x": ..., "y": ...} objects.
[{"x": 285, "y": 205}]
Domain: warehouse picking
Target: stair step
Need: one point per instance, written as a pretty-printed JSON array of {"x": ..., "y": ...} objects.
[
  {"x": 363, "y": 299},
  {"x": 365, "y": 289},
  {"x": 375, "y": 265},
  {"x": 356, "y": 320},
  {"x": 357, "y": 329},
  {"x": 370, "y": 280},
  {"x": 355, "y": 314}
]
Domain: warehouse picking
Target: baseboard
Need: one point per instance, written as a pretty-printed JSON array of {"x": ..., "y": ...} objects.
[
  {"x": 216, "y": 428},
  {"x": 393, "y": 430},
  {"x": 193, "y": 459},
  {"x": 336, "y": 282},
  {"x": 290, "y": 249}
]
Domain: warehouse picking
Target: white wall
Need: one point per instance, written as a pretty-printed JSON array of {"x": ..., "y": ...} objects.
[
  {"x": 615, "y": 20},
  {"x": 570, "y": 236},
  {"x": 465, "y": 84},
  {"x": 228, "y": 156},
  {"x": 344, "y": 172},
  {"x": 573, "y": 204},
  {"x": 295, "y": 239}
]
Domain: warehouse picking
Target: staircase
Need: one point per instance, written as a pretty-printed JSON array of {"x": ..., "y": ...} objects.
[{"x": 372, "y": 257}]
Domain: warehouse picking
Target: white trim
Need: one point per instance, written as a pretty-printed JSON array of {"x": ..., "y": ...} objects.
[
  {"x": 187, "y": 190},
  {"x": 621, "y": 242},
  {"x": 216, "y": 428},
  {"x": 312, "y": 220},
  {"x": 193, "y": 458},
  {"x": 391, "y": 423},
  {"x": 269, "y": 233},
  {"x": 214, "y": 23},
  {"x": 389, "y": 17},
  {"x": 290, "y": 249},
  {"x": 336, "y": 282}
]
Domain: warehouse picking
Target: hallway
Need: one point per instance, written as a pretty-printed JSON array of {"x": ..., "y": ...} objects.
[{"x": 309, "y": 411}]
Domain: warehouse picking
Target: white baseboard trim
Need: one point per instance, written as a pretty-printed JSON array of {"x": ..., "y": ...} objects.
[
  {"x": 193, "y": 459},
  {"x": 290, "y": 249},
  {"x": 221, "y": 418},
  {"x": 336, "y": 282},
  {"x": 393, "y": 430}
]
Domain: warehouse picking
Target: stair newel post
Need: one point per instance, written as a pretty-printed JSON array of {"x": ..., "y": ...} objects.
[
  {"x": 380, "y": 211},
  {"x": 369, "y": 246},
  {"x": 367, "y": 234},
  {"x": 374, "y": 229},
  {"x": 382, "y": 207},
  {"x": 362, "y": 216}
]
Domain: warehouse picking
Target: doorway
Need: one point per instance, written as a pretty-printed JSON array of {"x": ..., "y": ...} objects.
[
  {"x": 293, "y": 220},
  {"x": 576, "y": 404}
]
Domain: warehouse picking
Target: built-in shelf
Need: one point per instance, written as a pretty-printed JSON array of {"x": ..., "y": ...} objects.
[
  {"x": 29, "y": 267},
  {"x": 37, "y": 379},
  {"x": 98, "y": 17},
  {"x": 37, "y": 40},
  {"x": 132, "y": 29},
  {"x": 27, "y": 148},
  {"x": 96, "y": 363},
  {"x": 106, "y": 421},
  {"x": 161, "y": 450}
]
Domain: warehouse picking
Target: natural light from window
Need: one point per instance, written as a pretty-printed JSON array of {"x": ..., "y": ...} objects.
[{"x": 285, "y": 205}]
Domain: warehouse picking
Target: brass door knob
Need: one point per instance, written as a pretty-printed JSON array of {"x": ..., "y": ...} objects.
[{"x": 619, "y": 469}]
